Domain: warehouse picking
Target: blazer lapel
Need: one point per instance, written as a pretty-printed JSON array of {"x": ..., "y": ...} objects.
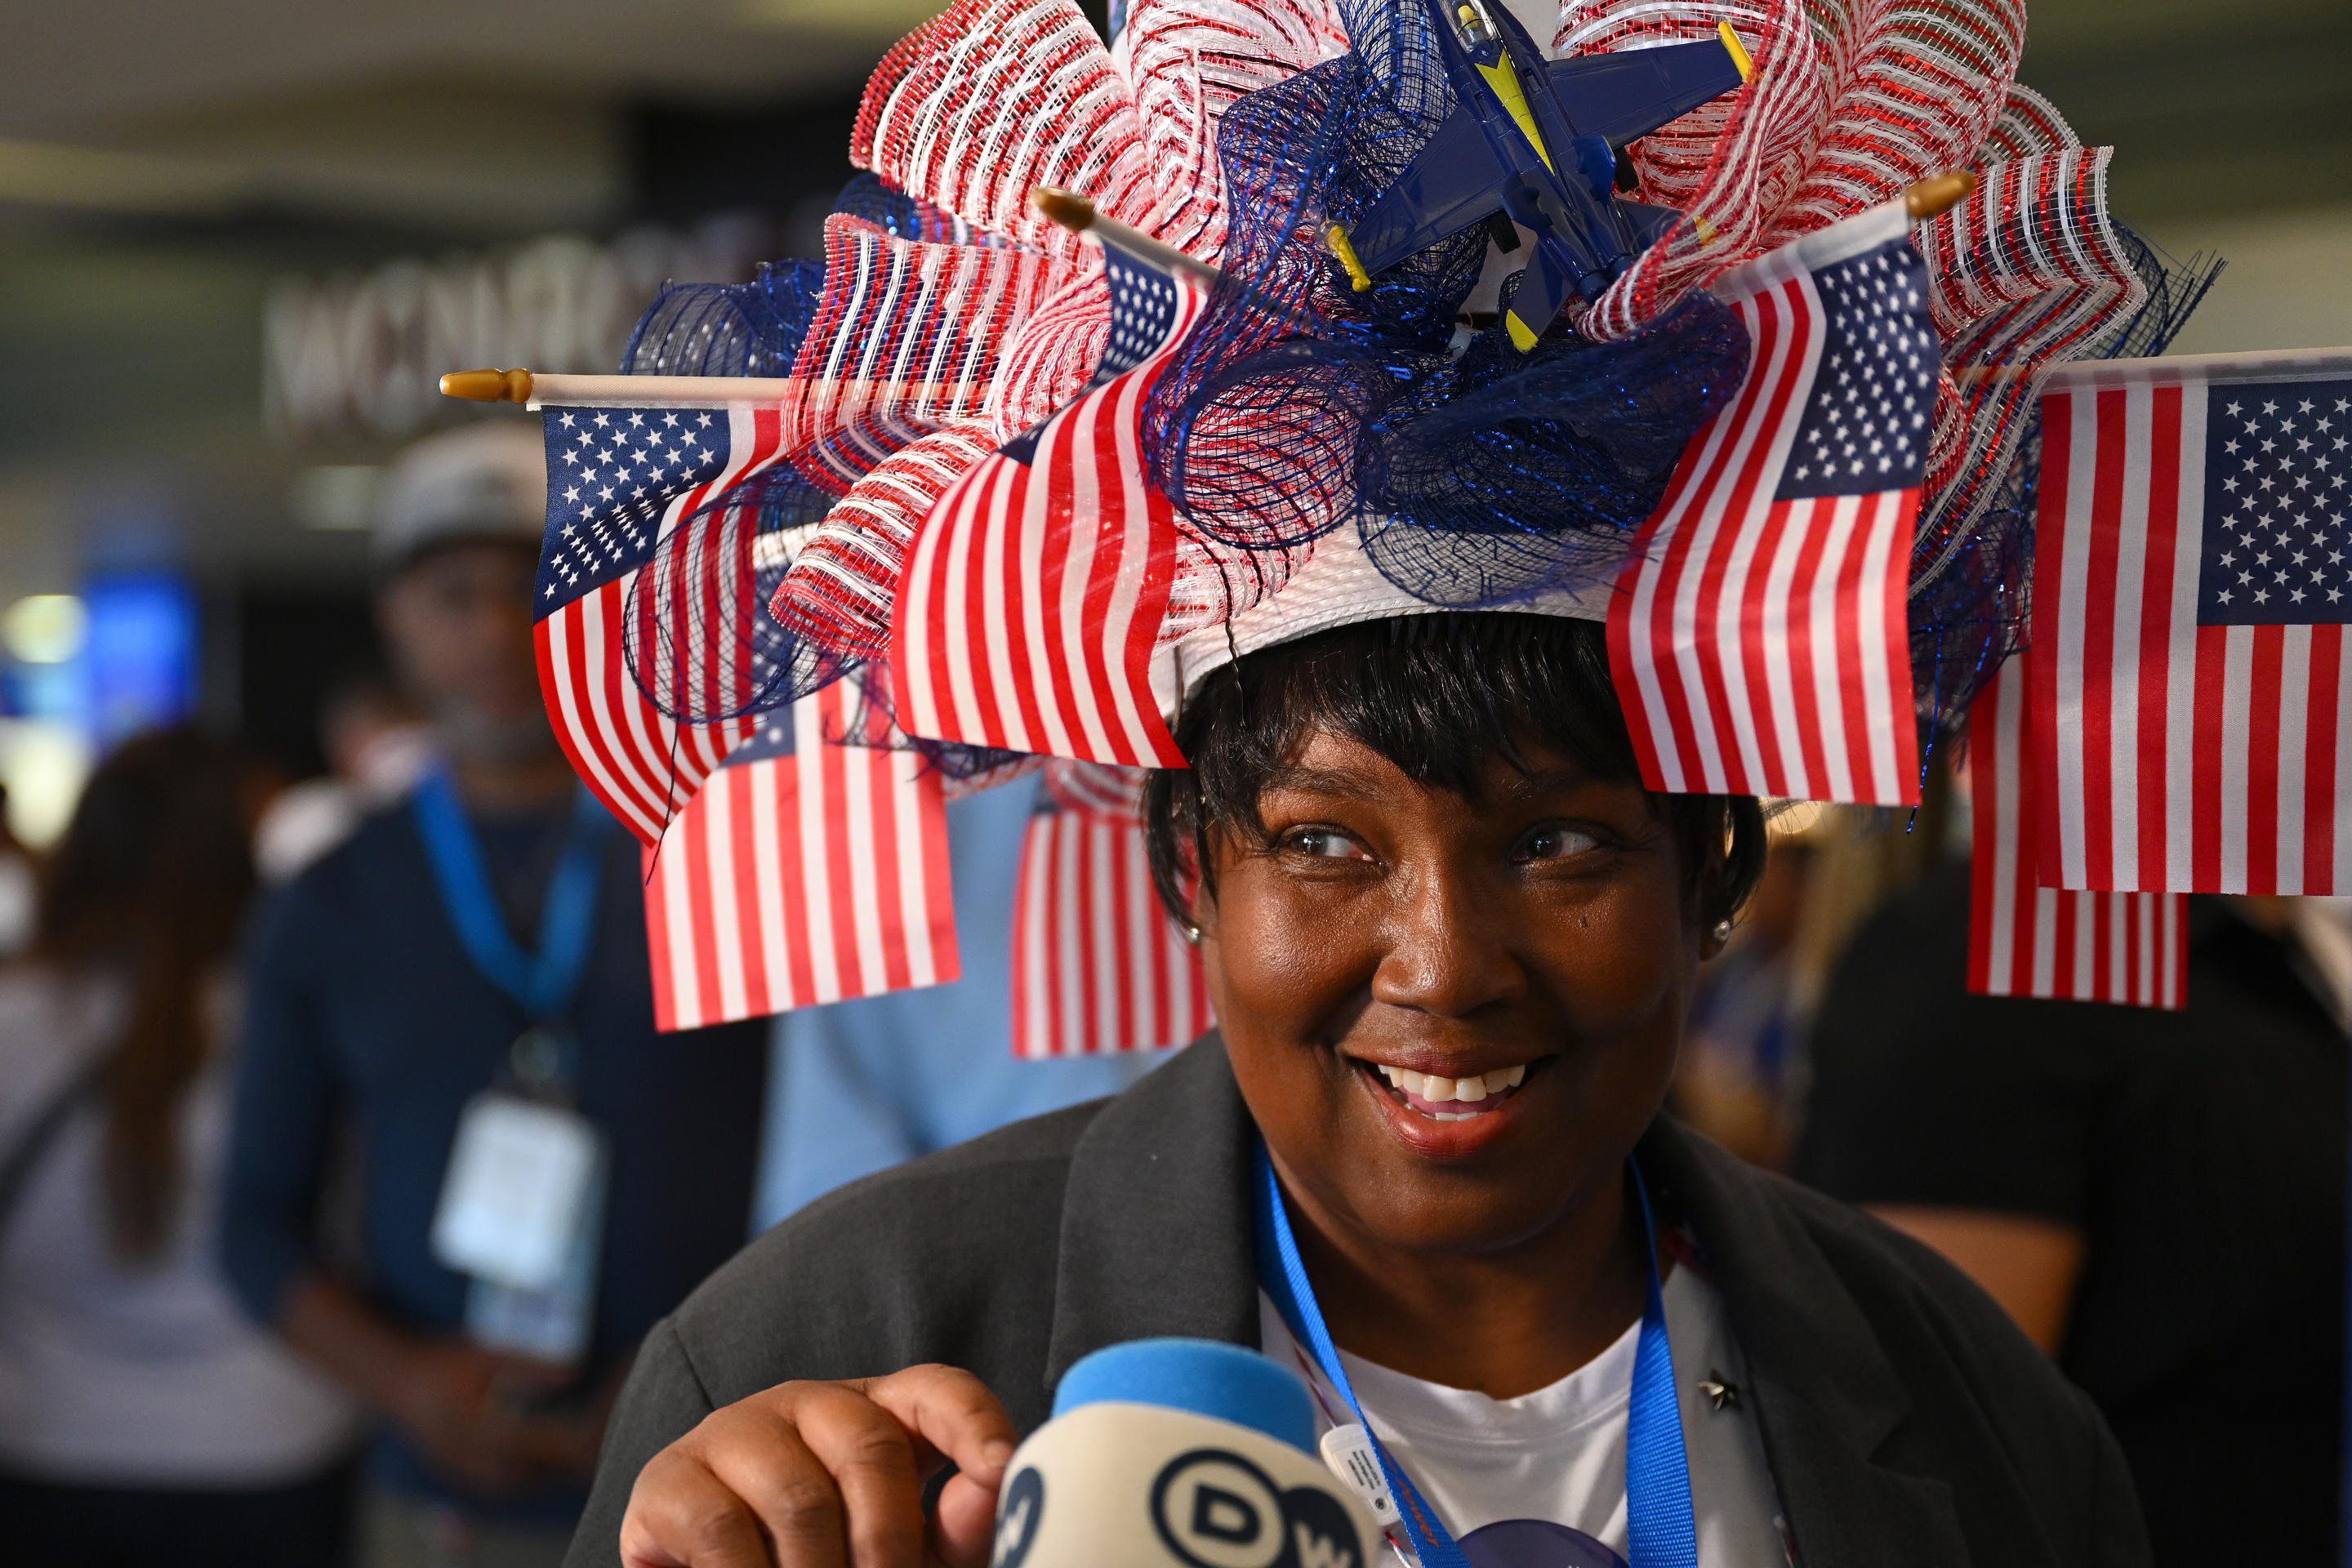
[
  {"x": 1156, "y": 1228},
  {"x": 1156, "y": 1239},
  {"x": 1826, "y": 1396}
]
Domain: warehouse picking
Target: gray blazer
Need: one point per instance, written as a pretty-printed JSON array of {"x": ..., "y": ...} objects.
[{"x": 1907, "y": 1421}]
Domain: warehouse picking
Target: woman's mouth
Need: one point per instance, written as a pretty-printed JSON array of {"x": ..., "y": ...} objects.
[{"x": 1442, "y": 1098}]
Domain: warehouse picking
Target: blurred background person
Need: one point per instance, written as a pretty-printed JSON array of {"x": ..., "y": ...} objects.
[
  {"x": 142, "y": 1420},
  {"x": 377, "y": 745},
  {"x": 861, "y": 1086},
  {"x": 475, "y": 961},
  {"x": 2157, "y": 1198}
]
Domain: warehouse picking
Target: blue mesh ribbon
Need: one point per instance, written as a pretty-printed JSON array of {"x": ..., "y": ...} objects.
[{"x": 1477, "y": 475}]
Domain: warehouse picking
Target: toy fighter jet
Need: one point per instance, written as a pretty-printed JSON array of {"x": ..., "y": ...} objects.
[{"x": 1537, "y": 141}]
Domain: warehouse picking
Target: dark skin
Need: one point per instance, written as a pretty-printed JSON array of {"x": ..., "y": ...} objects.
[
  {"x": 1481, "y": 1243},
  {"x": 458, "y": 624}
]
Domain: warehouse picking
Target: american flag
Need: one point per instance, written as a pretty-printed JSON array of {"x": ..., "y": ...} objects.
[
  {"x": 2027, "y": 940},
  {"x": 620, "y": 481},
  {"x": 806, "y": 870},
  {"x": 1036, "y": 587},
  {"x": 2192, "y": 577},
  {"x": 1760, "y": 625},
  {"x": 1096, "y": 965}
]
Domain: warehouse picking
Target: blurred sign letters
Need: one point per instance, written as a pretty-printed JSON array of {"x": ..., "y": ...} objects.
[{"x": 362, "y": 354}]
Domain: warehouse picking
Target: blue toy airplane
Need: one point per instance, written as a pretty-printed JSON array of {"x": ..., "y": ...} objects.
[{"x": 1537, "y": 141}]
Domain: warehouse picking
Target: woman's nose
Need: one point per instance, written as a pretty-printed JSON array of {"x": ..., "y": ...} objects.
[{"x": 1449, "y": 949}]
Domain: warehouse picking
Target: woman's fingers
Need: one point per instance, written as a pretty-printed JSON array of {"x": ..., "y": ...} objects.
[
  {"x": 871, "y": 1461},
  {"x": 954, "y": 1416},
  {"x": 951, "y": 1412},
  {"x": 824, "y": 1474},
  {"x": 680, "y": 1515},
  {"x": 965, "y": 1536}
]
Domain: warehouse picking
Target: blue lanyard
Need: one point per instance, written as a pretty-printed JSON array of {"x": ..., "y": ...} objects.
[
  {"x": 542, "y": 984},
  {"x": 1661, "y": 1531}
]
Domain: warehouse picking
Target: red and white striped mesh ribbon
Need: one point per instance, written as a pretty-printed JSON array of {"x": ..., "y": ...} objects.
[
  {"x": 991, "y": 99},
  {"x": 906, "y": 338},
  {"x": 843, "y": 578}
]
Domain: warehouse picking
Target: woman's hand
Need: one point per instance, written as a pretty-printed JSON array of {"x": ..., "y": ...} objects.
[{"x": 827, "y": 1475}]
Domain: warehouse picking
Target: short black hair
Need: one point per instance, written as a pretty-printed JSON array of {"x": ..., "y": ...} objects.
[{"x": 1438, "y": 695}]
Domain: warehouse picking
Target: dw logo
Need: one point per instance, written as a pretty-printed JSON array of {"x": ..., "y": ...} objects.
[
  {"x": 1215, "y": 1510},
  {"x": 1017, "y": 1518}
]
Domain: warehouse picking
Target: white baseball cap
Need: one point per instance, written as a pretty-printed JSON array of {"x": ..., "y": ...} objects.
[{"x": 482, "y": 481}]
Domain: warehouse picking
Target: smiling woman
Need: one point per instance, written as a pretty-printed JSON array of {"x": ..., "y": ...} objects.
[{"x": 1450, "y": 940}]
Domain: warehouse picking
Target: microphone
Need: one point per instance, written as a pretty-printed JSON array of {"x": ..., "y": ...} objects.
[{"x": 1178, "y": 1454}]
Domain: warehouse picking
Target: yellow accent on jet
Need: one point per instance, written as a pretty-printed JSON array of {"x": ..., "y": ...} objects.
[
  {"x": 1738, "y": 53},
  {"x": 1335, "y": 239},
  {"x": 1521, "y": 338},
  {"x": 1506, "y": 83}
]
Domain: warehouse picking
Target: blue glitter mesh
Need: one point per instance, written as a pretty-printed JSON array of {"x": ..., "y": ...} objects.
[
  {"x": 1477, "y": 476},
  {"x": 731, "y": 546},
  {"x": 728, "y": 329},
  {"x": 874, "y": 200}
]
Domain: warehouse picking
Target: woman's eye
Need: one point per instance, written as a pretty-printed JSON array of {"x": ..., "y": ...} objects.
[
  {"x": 1556, "y": 843},
  {"x": 1323, "y": 844}
]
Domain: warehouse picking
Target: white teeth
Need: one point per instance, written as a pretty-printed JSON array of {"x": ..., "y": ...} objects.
[
  {"x": 1452, "y": 1115},
  {"x": 1405, "y": 1078},
  {"x": 1436, "y": 1089}
]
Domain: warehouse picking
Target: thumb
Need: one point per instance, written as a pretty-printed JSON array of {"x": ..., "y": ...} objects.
[{"x": 964, "y": 1527}]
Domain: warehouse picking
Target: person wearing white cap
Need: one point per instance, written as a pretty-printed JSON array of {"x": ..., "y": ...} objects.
[{"x": 471, "y": 966}]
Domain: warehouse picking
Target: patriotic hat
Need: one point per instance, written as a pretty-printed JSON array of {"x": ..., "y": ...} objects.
[{"x": 1020, "y": 488}]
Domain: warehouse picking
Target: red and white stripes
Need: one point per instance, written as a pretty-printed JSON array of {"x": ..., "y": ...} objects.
[
  {"x": 638, "y": 761},
  {"x": 1034, "y": 599},
  {"x": 1760, "y": 644},
  {"x": 806, "y": 876},
  {"x": 1096, "y": 965},
  {"x": 2028, "y": 939},
  {"x": 2174, "y": 756}
]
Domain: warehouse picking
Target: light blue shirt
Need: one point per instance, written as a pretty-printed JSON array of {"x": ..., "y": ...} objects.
[{"x": 858, "y": 1087}]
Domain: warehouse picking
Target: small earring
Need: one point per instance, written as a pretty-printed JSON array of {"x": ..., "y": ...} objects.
[
  {"x": 1192, "y": 934},
  {"x": 1723, "y": 931}
]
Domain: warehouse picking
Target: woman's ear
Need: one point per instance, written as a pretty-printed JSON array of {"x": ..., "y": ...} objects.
[
  {"x": 1198, "y": 905},
  {"x": 1715, "y": 938},
  {"x": 1711, "y": 890}
]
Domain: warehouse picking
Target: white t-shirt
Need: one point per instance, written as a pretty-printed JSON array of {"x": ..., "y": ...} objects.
[
  {"x": 1539, "y": 1482},
  {"x": 146, "y": 1374}
]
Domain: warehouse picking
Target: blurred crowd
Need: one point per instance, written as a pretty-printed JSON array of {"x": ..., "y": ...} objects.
[{"x": 341, "y": 1168}]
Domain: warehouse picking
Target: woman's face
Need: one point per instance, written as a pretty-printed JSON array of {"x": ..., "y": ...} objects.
[{"x": 1451, "y": 1022}]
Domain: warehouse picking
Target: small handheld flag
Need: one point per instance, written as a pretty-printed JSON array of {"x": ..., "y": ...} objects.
[
  {"x": 1034, "y": 598},
  {"x": 2192, "y": 717},
  {"x": 620, "y": 481},
  {"x": 1758, "y": 635},
  {"x": 811, "y": 868},
  {"x": 2026, "y": 939},
  {"x": 1096, "y": 964}
]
